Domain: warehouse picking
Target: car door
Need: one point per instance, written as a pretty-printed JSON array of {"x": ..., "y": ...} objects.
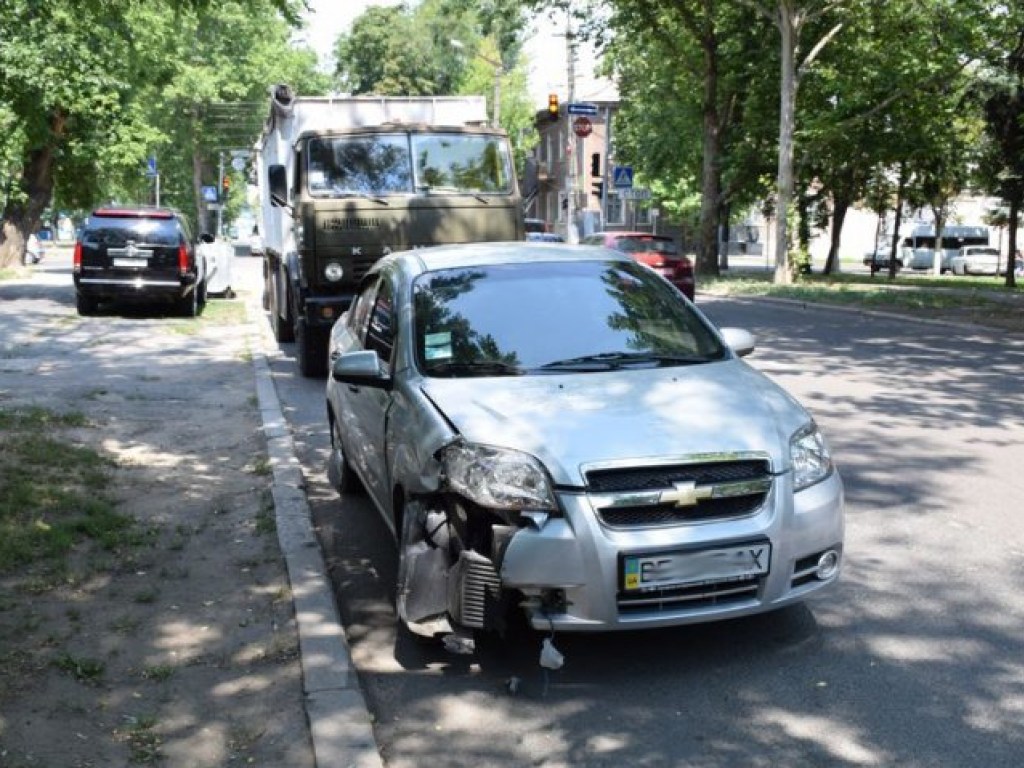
[{"x": 369, "y": 405}]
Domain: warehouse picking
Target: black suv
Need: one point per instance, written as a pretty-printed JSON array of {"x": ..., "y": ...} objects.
[{"x": 144, "y": 255}]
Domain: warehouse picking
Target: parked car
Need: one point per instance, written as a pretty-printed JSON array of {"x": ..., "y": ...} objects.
[
  {"x": 976, "y": 260},
  {"x": 656, "y": 251},
  {"x": 880, "y": 259},
  {"x": 256, "y": 244},
  {"x": 144, "y": 255},
  {"x": 535, "y": 225},
  {"x": 557, "y": 429},
  {"x": 544, "y": 237},
  {"x": 35, "y": 251}
]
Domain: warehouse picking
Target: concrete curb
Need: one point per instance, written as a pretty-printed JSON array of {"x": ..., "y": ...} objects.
[{"x": 339, "y": 721}]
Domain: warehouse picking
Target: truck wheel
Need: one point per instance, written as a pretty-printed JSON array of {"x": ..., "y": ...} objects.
[
  {"x": 282, "y": 327},
  {"x": 310, "y": 350}
]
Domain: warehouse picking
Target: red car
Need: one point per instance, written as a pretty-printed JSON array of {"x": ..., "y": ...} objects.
[{"x": 656, "y": 251}]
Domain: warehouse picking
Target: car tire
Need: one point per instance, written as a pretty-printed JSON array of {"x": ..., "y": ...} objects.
[
  {"x": 203, "y": 293},
  {"x": 86, "y": 305},
  {"x": 340, "y": 472}
]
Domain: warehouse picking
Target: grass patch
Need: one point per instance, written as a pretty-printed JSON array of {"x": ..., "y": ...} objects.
[
  {"x": 984, "y": 300},
  {"x": 216, "y": 312},
  {"x": 82, "y": 669},
  {"x": 143, "y": 743},
  {"x": 52, "y": 492}
]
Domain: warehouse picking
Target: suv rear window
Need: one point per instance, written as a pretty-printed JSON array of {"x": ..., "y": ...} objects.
[
  {"x": 116, "y": 231},
  {"x": 641, "y": 244}
]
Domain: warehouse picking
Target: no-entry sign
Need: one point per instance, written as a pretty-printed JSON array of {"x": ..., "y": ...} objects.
[{"x": 582, "y": 127}]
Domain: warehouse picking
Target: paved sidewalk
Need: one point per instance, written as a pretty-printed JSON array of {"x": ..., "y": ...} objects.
[{"x": 340, "y": 724}]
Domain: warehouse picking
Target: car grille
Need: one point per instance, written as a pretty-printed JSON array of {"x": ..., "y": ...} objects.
[
  {"x": 628, "y": 497},
  {"x": 690, "y": 597}
]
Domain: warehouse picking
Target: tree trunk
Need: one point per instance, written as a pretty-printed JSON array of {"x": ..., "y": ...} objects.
[
  {"x": 901, "y": 189},
  {"x": 22, "y": 218},
  {"x": 707, "y": 257},
  {"x": 840, "y": 205},
  {"x": 1011, "y": 265},
  {"x": 786, "y": 119}
]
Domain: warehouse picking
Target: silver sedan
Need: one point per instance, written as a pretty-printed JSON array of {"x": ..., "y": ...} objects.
[{"x": 556, "y": 428}]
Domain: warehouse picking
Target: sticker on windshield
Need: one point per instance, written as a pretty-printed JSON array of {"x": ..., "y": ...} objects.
[{"x": 437, "y": 346}]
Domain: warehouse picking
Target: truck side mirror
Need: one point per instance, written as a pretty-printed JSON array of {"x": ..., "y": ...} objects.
[{"x": 278, "y": 178}]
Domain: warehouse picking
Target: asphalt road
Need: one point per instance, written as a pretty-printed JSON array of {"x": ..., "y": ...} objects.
[{"x": 916, "y": 660}]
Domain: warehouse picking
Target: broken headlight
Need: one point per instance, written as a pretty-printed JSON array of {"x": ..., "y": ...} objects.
[
  {"x": 809, "y": 454},
  {"x": 498, "y": 478}
]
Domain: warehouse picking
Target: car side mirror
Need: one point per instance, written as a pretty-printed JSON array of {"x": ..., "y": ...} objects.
[
  {"x": 740, "y": 341},
  {"x": 360, "y": 369},
  {"x": 206, "y": 237}
]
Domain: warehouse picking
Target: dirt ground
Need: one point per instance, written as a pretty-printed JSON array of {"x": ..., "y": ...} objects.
[{"x": 180, "y": 650}]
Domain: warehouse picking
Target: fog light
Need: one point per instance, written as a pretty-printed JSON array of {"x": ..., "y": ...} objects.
[{"x": 828, "y": 564}]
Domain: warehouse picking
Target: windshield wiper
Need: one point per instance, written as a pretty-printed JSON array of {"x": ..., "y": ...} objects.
[
  {"x": 363, "y": 195},
  {"x": 608, "y": 361},
  {"x": 473, "y": 368}
]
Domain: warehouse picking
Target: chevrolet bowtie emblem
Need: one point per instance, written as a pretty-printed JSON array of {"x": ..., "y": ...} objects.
[{"x": 686, "y": 494}]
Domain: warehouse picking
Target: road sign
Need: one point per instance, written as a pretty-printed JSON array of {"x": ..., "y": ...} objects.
[
  {"x": 582, "y": 109},
  {"x": 622, "y": 177},
  {"x": 581, "y": 127},
  {"x": 635, "y": 193},
  {"x": 210, "y": 194},
  {"x": 151, "y": 166},
  {"x": 238, "y": 163}
]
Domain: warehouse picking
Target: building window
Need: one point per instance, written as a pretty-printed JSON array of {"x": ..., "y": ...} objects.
[{"x": 615, "y": 212}]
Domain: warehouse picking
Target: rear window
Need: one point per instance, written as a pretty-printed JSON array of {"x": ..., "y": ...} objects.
[
  {"x": 641, "y": 244},
  {"x": 116, "y": 231}
]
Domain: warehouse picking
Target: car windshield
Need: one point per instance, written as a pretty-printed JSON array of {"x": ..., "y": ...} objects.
[
  {"x": 404, "y": 164},
  {"x": 554, "y": 317}
]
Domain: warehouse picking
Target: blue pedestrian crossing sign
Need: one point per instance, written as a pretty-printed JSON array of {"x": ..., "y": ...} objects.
[{"x": 622, "y": 177}]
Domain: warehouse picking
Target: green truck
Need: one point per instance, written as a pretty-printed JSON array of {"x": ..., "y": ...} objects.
[{"x": 344, "y": 181}]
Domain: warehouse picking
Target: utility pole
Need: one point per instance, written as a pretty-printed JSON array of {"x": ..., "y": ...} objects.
[
  {"x": 572, "y": 235},
  {"x": 220, "y": 192}
]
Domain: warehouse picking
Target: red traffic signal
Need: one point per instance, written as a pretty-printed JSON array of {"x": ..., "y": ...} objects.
[
  {"x": 225, "y": 183},
  {"x": 552, "y": 107}
]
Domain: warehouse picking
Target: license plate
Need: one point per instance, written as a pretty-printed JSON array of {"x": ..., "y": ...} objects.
[
  {"x": 675, "y": 569},
  {"x": 135, "y": 263}
]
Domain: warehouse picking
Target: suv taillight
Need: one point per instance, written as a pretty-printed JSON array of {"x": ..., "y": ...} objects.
[
  {"x": 76, "y": 260},
  {"x": 182, "y": 260}
]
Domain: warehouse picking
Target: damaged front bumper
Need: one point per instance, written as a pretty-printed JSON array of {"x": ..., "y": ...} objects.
[{"x": 569, "y": 572}]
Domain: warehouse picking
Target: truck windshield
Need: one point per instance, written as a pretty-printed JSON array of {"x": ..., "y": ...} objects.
[{"x": 382, "y": 164}]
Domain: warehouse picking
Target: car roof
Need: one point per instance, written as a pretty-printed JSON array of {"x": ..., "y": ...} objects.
[
  {"x": 496, "y": 253},
  {"x": 648, "y": 235}
]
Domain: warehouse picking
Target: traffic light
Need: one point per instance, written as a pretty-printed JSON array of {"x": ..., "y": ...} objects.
[
  {"x": 595, "y": 164},
  {"x": 225, "y": 183},
  {"x": 552, "y": 107},
  {"x": 598, "y": 188}
]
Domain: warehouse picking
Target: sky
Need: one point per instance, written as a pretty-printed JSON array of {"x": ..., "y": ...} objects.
[{"x": 545, "y": 50}]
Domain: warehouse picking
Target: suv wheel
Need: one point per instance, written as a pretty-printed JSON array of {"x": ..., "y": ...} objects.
[{"x": 87, "y": 305}]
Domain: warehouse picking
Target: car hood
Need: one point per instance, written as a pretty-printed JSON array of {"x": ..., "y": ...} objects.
[{"x": 569, "y": 421}]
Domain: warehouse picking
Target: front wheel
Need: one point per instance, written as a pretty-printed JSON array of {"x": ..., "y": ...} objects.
[
  {"x": 339, "y": 469},
  {"x": 310, "y": 349}
]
